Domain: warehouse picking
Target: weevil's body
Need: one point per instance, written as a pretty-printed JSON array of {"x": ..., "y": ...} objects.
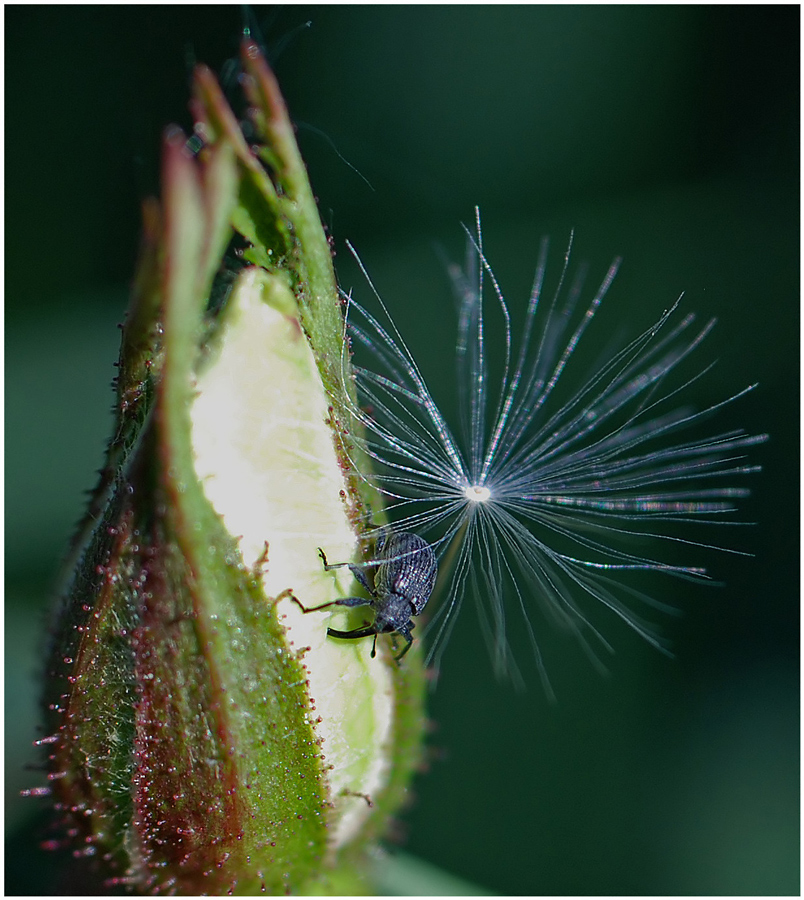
[{"x": 403, "y": 582}]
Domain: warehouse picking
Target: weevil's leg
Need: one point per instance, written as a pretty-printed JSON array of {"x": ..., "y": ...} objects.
[
  {"x": 355, "y": 570},
  {"x": 409, "y": 638},
  {"x": 327, "y": 566},
  {"x": 343, "y": 601},
  {"x": 304, "y": 609},
  {"x": 353, "y": 601},
  {"x": 361, "y": 579}
]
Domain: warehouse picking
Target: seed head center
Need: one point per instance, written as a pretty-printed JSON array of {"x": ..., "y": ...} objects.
[{"x": 477, "y": 493}]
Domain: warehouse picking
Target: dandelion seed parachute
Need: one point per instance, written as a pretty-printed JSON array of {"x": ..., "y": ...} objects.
[{"x": 537, "y": 502}]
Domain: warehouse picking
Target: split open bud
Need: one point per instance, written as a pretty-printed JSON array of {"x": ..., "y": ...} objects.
[{"x": 205, "y": 734}]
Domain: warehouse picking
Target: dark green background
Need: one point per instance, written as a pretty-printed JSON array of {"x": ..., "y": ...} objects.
[{"x": 666, "y": 134}]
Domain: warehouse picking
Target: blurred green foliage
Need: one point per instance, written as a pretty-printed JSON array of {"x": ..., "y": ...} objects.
[{"x": 666, "y": 134}]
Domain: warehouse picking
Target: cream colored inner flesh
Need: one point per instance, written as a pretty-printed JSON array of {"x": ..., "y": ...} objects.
[{"x": 267, "y": 461}]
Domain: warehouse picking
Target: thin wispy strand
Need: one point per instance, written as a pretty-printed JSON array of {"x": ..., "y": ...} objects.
[{"x": 538, "y": 503}]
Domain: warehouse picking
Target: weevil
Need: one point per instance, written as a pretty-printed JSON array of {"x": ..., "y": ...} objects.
[{"x": 404, "y": 579}]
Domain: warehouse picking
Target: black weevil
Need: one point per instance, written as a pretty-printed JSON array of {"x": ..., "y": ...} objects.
[{"x": 405, "y": 576}]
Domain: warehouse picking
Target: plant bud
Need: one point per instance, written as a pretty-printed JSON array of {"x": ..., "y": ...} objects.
[{"x": 205, "y": 734}]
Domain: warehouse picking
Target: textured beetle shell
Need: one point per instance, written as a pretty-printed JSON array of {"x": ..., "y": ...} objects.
[{"x": 410, "y": 570}]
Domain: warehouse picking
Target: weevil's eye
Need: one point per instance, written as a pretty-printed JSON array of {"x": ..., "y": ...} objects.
[{"x": 476, "y": 493}]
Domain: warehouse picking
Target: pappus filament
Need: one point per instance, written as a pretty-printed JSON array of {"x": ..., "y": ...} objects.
[{"x": 542, "y": 499}]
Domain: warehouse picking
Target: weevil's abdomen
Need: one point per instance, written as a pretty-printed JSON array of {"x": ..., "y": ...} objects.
[{"x": 409, "y": 568}]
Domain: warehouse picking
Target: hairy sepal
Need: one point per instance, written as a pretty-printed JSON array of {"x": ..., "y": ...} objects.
[{"x": 204, "y": 733}]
